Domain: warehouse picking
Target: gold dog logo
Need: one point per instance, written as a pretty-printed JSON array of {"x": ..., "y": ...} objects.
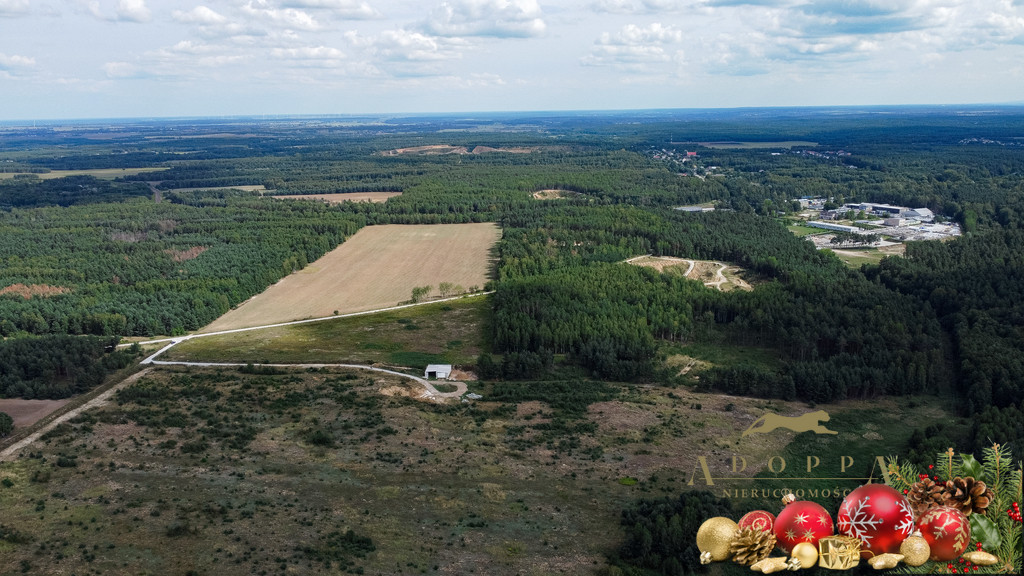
[{"x": 810, "y": 422}]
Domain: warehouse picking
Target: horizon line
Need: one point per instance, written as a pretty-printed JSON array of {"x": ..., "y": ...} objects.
[{"x": 470, "y": 113}]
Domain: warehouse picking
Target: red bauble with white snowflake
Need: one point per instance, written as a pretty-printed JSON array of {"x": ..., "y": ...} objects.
[
  {"x": 801, "y": 522},
  {"x": 879, "y": 516},
  {"x": 947, "y": 531},
  {"x": 758, "y": 520}
]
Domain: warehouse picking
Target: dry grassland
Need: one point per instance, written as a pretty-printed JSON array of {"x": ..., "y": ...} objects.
[
  {"x": 375, "y": 197},
  {"x": 376, "y": 268}
]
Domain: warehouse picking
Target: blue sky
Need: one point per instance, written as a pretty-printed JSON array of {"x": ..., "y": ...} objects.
[{"x": 125, "y": 58}]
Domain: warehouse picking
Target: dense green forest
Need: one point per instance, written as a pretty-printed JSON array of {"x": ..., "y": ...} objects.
[{"x": 104, "y": 258}]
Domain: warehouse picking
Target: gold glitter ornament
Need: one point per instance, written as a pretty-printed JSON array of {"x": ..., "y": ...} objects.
[
  {"x": 776, "y": 564},
  {"x": 981, "y": 558},
  {"x": 885, "y": 561},
  {"x": 806, "y": 553},
  {"x": 714, "y": 539},
  {"x": 915, "y": 550}
]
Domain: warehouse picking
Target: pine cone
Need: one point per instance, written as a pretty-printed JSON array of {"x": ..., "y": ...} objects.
[
  {"x": 967, "y": 495},
  {"x": 751, "y": 546},
  {"x": 925, "y": 494}
]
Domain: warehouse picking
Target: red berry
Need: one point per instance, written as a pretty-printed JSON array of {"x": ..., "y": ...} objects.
[{"x": 930, "y": 466}]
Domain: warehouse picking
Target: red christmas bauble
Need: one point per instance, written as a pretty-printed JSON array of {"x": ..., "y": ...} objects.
[
  {"x": 879, "y": 515},
  {"x": 758, "y": 520},
  {"x": 947, "y": 531},
  {"x": 801, "y": 522}
]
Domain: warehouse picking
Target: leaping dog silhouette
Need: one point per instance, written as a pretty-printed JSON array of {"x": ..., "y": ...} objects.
[{"x": 804, "y": 423}]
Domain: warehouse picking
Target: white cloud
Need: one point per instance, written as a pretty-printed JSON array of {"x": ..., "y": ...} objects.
[
  {"x": 287, "y": 18},
  {"x": 310, "y": 56},
  {"x": 132, "y": 11},
  {"x": 199, "y": 15},
  {"x": 498, "y": 18},
  {"x": 117, "y": 70},
  {"x": 13, "y": 7},
  {"x": 403, "y": 53},
  {"x": 635, "y": 47},
  {"x": 16, "y": 62},
  {"x": 348, "y": 9},
  {"x": 125, "y": 11}
]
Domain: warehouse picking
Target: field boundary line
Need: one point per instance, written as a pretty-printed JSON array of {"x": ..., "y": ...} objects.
[{"x": 176, "y": 339}]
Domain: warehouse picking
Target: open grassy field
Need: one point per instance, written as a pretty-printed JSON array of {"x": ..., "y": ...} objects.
[
  {"x": 448, "y": 333},
  {"x": 376, "y": 268},
  {"x": 800, "y": 230},
  {"x": 101, "y": 173},
  {"x": 332, "y": 471},
  {"x": 857, "y": 258},
  {"x": 376, "y": 197}
]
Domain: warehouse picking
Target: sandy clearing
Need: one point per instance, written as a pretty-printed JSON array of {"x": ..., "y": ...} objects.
[
  {"x": 710, "y": 272},
  {"x": 28, "y": 412},
  {"x": 554, "y": 194},
  {"x": 28, "y": 291},
  {"x": 376, "y": 268},
  {"x": 375, "y": 197}
]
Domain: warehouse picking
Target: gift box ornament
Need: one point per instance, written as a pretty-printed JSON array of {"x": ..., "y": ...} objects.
[{"x": 838, "y": 552}]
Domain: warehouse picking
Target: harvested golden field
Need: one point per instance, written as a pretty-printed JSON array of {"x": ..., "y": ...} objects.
[
  {"x": 375, "y": 197},
  {"x": 376, "y": 268}
]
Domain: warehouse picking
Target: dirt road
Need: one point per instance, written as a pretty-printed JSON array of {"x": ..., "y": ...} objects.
[{"x": 9, "y": 452}]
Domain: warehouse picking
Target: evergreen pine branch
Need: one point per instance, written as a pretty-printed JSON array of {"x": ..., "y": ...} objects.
[{"x": 902, "y": 476}]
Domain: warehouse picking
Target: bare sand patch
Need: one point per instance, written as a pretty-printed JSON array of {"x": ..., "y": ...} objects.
[
  {"x": 713, "y": 274},
  {"x": 554, "y": 194},
  {"x": 376, "y": 268},
  {"x": 186, "y": 255},
  {"x": 28, "y": 412},
  {"x": 375, "y": 197},
  {"x": 27, "y": 291}
]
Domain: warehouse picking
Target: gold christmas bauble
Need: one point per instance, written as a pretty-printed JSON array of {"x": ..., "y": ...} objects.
[
  {"x": 714, "y": 537},
  {"x": 806, "y": 553},
  {"x": 915, "y": 550}
]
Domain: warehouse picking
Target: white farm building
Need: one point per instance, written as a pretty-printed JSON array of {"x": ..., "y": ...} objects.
[
  {"x": 831, "y": 226},
  {"x": 438, "y": 371}
]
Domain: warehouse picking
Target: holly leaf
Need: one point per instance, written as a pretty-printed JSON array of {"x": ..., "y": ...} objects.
[
  {"x": 984, "y": 530},
  {"x": 970, "y": 467}
]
